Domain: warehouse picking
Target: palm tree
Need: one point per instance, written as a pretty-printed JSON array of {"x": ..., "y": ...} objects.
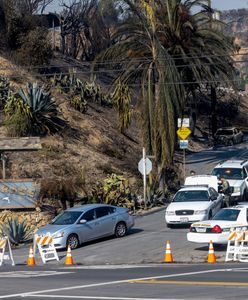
[{"x": 169, "y": 50}]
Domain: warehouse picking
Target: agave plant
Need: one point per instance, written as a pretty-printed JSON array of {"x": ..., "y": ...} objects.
[
  {"x": 17, "y": 232},
  {"x": 37, "y": 108}
]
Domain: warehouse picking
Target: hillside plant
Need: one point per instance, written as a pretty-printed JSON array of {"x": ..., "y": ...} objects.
[
  {"x": 115, "y": 190},
  {"x": 35, "y": 48},
  {"x": 4, "y": 91},
  {"x": 122, "y": 101},
  {"x": 80, "y": 92},
  {"x": 32, "y": 112},
  {"x": 17, "y": 232}
]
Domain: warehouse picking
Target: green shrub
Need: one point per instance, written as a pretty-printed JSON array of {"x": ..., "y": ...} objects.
[
  {"x": 115, "y": 191},
  {"x": 35, "y": 48}
]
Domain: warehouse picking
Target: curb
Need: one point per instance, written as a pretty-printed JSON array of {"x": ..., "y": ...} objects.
[{"x": 142, "y": 213}]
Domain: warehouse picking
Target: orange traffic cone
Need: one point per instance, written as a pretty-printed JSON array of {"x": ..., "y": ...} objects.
[
  {"x": 211, "y": 255},
  {"x": 168, "y": 255},
  {"x": 31, "y": 259},
  {"x": 68, "y": 259}
]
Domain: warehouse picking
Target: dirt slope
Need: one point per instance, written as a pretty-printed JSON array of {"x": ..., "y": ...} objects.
[{"x": 93, "y": 146}]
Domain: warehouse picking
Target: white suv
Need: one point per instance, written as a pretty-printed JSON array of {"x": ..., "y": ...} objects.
[{"x": 236, "y": 173}]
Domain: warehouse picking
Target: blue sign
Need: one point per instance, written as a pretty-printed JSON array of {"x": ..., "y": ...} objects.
[{"x": 184, "y": 144}]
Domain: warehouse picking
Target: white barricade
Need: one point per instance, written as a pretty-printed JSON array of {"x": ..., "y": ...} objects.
[
  {"x": 5, "y": 245},
  {"x": 234, "y": 241},
  {"x": 242, "y": 251},
  {"x": 46, "y": 248}
]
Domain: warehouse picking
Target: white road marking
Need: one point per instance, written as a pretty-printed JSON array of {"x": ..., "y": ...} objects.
[
  {"x": 111, "y": 267},
  {"x": 27, "y": 294},
  {"x": 97, "y": 297},
  {"x": 28, "y": 274}
]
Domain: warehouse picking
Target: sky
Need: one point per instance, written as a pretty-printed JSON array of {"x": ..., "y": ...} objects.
[{"x": 217, "y": 4}]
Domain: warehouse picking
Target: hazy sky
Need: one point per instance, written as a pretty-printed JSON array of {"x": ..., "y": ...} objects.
[
  {"x": 218, "y": 4},
  {"x": 229, "y": 4}
]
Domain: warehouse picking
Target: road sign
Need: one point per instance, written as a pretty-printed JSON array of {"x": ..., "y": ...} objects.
[
  {"x": 184, "y": 144},
  {"x": 182, "y": 122},
  {"x": 183, "y": 133},
  {"x": 145, "y": 164}
]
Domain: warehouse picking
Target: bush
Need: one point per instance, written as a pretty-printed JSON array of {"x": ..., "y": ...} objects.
[
  {"x": 35, "y": 48},
  {"x": 115, "y": 190}
]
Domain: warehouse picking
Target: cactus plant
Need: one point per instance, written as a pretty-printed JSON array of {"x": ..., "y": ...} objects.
[
  {"x": 4, "y": 91},
  {"x": 115, "y": 190},
  {"x": 122, "y": 100},
  {"x": 79, "y": 104},
  {"x": 87, "y": 91}
]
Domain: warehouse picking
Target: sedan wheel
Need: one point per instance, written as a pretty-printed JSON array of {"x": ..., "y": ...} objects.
[
  {"x": 120, "y": 229},
  {"x": 72, "y": 241}
]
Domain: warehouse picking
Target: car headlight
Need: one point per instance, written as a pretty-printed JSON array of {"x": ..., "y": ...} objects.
[
  {"x": 236, "y": 189},
  {"x": 201, "y": 212},
  {"x": 58, "y": 235},
  {"x": 169, "y": 213}
]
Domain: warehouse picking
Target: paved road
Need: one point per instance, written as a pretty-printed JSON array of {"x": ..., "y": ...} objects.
[
  {"x": 146, "y": 242},
  {"x": 126, "y": 282},
  {"x": 203, "y": 162}
]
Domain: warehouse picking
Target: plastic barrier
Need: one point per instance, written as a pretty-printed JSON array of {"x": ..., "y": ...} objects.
[
  {"x": 46, "y": 248},
  {"x": 4, "y": 245},
  {"x": 237, "y": 245}
]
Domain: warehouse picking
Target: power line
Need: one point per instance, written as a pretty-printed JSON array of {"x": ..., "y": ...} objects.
[
  {"x": 89, "y": 72},
  {"x": 107, "y": 62},
  {"x": 165, "y": 83}
]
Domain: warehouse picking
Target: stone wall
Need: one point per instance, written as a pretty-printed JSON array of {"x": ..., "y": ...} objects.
[{"x": 35, "y": 219}]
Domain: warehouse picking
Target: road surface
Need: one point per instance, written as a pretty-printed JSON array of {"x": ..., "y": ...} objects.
[{"x": 229, "y": 281}]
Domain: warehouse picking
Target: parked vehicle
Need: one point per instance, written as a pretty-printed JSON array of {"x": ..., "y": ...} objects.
[
  {"x": 87, "y": 222},
  {"x": 217, "y": 230},
  {"x": 236, "y": 173},
  {"x": 193, "y": 203},
  {"x": 228, "y": 136}
]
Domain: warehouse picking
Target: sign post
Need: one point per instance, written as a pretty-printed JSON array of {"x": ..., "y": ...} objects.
[
  {"x": 145, "y": 167},
  {"x": 183, "y": 133}
]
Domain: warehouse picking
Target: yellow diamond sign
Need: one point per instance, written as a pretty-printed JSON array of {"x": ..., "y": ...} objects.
[{"x": 183, "y": 133}]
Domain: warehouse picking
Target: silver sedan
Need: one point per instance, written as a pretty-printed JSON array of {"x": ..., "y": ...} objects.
[{"x": 87, "y": 222}]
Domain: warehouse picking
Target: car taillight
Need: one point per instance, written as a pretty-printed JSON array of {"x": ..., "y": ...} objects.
[
  {"x": 216, "y": 229},
  {"x": 192, "y": 229}
]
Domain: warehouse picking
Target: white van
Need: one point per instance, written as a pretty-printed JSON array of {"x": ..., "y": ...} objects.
[{"x": 210, "y": 180}]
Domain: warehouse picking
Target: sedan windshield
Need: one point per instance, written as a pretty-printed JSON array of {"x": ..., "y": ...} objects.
[
  {"x": 227, "y": 215},
  {"x": 229, "y": 173},
  {"x": 66, "y": 218},
  {"x": 189, "y": 196}
]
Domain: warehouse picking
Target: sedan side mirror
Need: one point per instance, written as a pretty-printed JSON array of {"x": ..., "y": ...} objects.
[
  {"x": 83, "y": 221},
  {"x": 213, "y": 198}
]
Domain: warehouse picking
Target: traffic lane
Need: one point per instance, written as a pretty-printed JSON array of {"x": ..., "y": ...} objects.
[
  {"x": 204, "y": 161},
  {"x": 184, "y": 282},
  {"x": 23, "y": 279}
]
